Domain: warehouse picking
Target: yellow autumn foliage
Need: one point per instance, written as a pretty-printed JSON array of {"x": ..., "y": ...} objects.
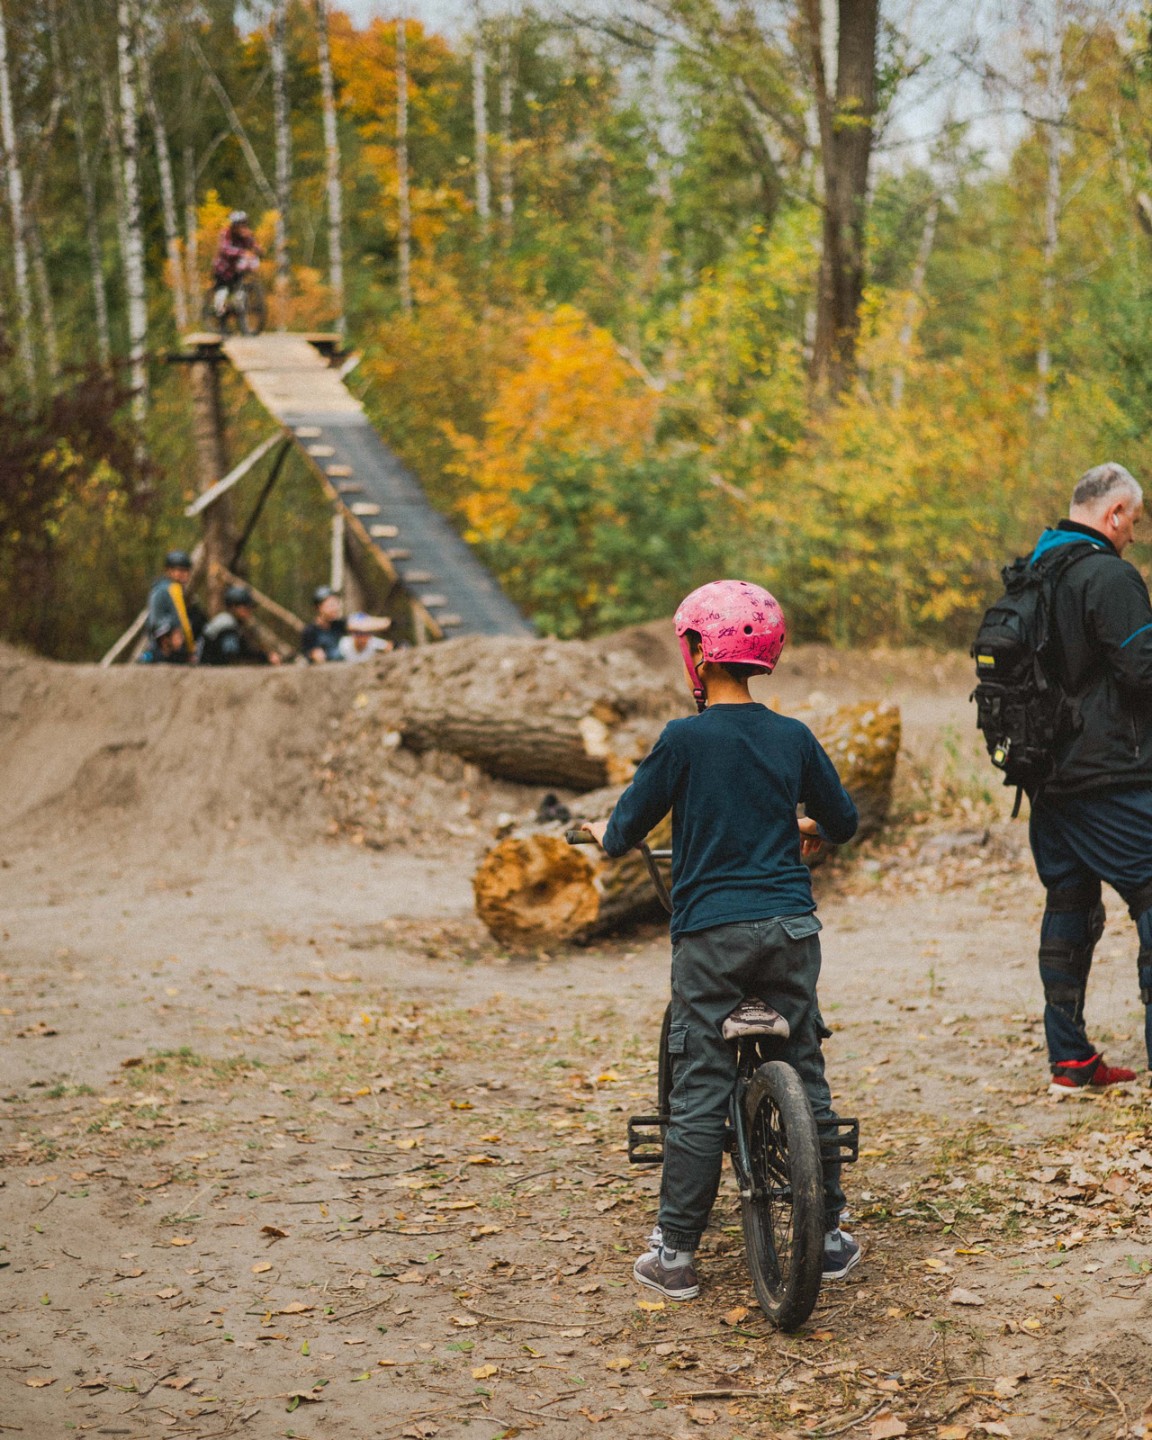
[{"x": 574, "y": 392}]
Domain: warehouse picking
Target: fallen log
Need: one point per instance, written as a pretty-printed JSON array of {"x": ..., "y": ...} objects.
[
  {"x": 547, "y": 712},
  {"x": 532, "y": 888}
]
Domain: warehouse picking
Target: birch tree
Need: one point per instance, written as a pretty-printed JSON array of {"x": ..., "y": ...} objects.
[
  {"x": 68, "y": 85},
  {"x": 331, "y": 164},
  {"x": 404, "y": 239},
  {"x": 127, "y": 39},
  {"x": 480, "y": 126},
  {"x": 15, "y": 181},
  {"x": 176, "y": 276},
  {"x": 507, "y": 178},
  {"x": 283, "y": 140}
]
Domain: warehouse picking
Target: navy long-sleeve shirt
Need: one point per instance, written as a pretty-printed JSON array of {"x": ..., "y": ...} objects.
[{"x": 733, "y": 777}]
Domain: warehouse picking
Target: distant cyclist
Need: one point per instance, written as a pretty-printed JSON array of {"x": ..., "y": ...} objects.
[
  {"x": 169, "y": 608},
  {"x": 743, "y": 917},
  {"x": 231, "y": 638},
  {"x": 237, "y": 255}
]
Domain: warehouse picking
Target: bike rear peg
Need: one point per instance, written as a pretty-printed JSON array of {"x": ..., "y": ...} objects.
[{"x": 579, "y": 837}]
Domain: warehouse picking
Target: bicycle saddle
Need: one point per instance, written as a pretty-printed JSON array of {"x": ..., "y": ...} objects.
[{"x": 754, "y": 1017}]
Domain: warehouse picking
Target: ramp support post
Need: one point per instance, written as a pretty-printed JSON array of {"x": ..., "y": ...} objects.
[{"x": 211, "y": 463}]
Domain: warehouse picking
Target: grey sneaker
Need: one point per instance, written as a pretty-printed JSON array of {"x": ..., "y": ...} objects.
[
  {"x": 841, "y": 1254},
  {"x": 674, "y": 1283}
]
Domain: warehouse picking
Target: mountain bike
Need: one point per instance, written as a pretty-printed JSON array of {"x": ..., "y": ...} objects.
[
  {"x": 776, "y": 1148},
  {"x": 245, "y": 305}
]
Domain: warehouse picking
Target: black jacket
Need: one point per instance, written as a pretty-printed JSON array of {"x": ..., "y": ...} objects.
[
  {"x": 1103, "y": 623},
  {"x": 226, "y": 642}
]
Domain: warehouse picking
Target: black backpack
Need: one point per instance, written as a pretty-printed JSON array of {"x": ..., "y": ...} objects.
[{"x": 1022, "y": 710}]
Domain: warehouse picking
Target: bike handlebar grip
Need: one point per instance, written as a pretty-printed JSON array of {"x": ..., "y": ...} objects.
[{"x": 579, "y": 837}]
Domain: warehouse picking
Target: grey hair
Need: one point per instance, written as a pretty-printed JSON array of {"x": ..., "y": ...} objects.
[{"x": 1099, "y": 482}]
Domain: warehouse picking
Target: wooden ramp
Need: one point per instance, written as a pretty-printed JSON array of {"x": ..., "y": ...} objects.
[{"x": 298, "y": 386}]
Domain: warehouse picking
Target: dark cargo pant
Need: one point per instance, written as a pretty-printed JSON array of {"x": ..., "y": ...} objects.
[
  {"x": 1077, "y": 841},
  {"x": 777, "y": 960}
]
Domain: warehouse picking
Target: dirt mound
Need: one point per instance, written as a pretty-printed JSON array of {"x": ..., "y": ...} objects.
[{"x": 149, "y": 756}]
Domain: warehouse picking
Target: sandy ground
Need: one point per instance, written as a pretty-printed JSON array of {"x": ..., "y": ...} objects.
[{"x": 290, "y": 1148}]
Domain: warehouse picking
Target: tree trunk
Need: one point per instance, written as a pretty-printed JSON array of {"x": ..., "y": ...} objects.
[
  {"x": 66, "y": 79},
  {"x": 48, "y": 329},
  {"x": 915, "y": 292},
  {"x": 16, "y": 206},
  {"x": 331, "y": 165},
  {"x": 283, "y": 157},
  {"x": 480, "y": 126},
  {"x": 167, "y": 193},
  {"x": 507, "y": 178},
  {"x": 532, "y": 888},
  {"x": 846, "y": 131},
  {"x": 1057, "y": 109},
  {"x": 404, "y": 238},
  {"x": 134, "y": 283},
  {"x": 191, "y": 227}
]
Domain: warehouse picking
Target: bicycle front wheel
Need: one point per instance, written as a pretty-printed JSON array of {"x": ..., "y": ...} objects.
[
  {"x": 254, "y": 313},
  {"x": 782, "y": 1199}
]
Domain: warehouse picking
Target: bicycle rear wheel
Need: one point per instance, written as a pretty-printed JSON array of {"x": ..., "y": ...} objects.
[
  {"x": 783, "y": 1213},
  {"x": 254, "y": 308}
]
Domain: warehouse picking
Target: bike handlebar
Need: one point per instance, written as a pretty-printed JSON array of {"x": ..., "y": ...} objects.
[{"x": 582, "y": 837}]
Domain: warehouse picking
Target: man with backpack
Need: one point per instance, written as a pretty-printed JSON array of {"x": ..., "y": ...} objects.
[{"x": 1070, "y": 721}]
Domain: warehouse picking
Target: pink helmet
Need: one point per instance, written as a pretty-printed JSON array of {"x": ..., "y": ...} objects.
[{"x": 738, "y": 624}]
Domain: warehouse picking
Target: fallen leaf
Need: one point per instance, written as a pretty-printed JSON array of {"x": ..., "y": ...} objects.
[
  {"x": 262, "y": 1268},
  {"x": 178, "y": 1382},
  {"x": 480, "y": 1160},
  {"x": 131, "y": 1062},
  {"x": 701, "y": 1415},
  {"x": 181, "y": 1240},
  {"x": 169, "y": 1294},
  {"x": 273, "y": 1232},
  {"x": 994, "y": 1427},
  {"x": 465, "y": 1322},
  {"x": 38, "y": 1382},
  {"x": 592, "y": 1416},
  {"x": 640, "y": 1304},
  {"x": 297, "y": 1398},
  {"x": 485, "y": 1372},
  {"x": 1005, "y": 1386},
  {"x": 594, "y": 1285},
  {"x": 459, "y": 1205},
  {"x": 410, "y": 1277},
  {"x": 295, "y": 1307},
  {"x": 822, "y": 1335},
  {"x": 1031, "y": 1324},
  {"x": 98, "y": 1382},
  {"x": 960, "y": 1296},
  {"x": 621, "y": 1363},
  {"x": 734, "y": 1317},
  {"x": 953, "y": 1432},
  {"x": 887, "y": 1427}
]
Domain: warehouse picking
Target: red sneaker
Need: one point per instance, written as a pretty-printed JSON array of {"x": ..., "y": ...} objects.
[{"x": 1079, "y": 1079}]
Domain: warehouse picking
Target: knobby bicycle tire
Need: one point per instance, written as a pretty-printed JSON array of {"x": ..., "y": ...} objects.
[
  {"x": 252, "y": 313},
  {"x": 783, "y": 1216}
]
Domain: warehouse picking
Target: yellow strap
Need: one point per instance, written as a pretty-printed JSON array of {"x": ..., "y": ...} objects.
[{"x": 176, "y": 591}]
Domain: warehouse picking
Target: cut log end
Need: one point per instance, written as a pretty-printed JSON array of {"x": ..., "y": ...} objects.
[{"x": 535, "y": 891}]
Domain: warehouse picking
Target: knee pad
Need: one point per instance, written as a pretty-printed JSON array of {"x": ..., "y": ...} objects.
[{"x": 1064, "y": 969}]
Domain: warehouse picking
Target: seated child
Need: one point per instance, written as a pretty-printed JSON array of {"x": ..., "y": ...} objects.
[{"x": 743, "y": 920}]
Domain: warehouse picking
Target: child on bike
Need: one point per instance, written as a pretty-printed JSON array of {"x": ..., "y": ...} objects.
[{"x": 743, "y": 918}]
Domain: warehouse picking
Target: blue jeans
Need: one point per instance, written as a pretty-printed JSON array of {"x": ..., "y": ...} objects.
[
  {"x": 1078, "y": 841},
  {"x": 777, "y": 960}
]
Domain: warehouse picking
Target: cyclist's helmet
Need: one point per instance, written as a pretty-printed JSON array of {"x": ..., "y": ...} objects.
[
  {"x": 738, "y": 623},
  {"x": 238, "y": 217},
  {"x": 178, "y": 560},
  {"x": 322, "y": 593},
  {"x": 238, "y": 595}
]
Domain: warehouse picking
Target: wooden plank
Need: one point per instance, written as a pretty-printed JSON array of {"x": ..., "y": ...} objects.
[
  {"x": 384, "y": 532},
  {"x": 111, "y": 656},
  {"x": 286, "y": 617},
  {"x": 234, "y": 476},
  {"x": 365, "y": 507}
]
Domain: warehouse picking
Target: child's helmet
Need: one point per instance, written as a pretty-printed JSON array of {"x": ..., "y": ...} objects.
[{"x": 738, "y": 624}]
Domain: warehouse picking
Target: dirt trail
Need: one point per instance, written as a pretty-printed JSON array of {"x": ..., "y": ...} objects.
[{"x": 291, "y": 1149}]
